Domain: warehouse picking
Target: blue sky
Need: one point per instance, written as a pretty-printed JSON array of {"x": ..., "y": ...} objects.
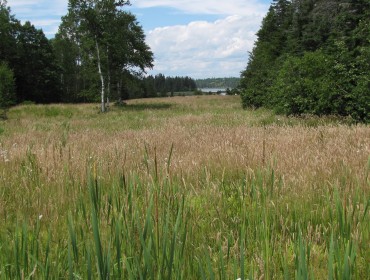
[{"x": 196, "y": 38}]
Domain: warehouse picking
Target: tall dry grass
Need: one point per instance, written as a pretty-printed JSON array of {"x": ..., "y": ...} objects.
[{"x": 295, "y": 175}]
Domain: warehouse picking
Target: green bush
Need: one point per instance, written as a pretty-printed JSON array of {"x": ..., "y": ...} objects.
[
  {"x": 7, "y": 93},
  {"x": 304, "y": 85},
  {"x": 255, "y": 83},
  {"x": 315, "y": 84},
  {"x": 352, "y": 79},
  {"x": 197, "y": 92},
  {"x": 359, "y": 108}
]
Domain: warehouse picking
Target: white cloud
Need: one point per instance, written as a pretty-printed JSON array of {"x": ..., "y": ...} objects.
[
  {"x": 44, "y": 14},
  {"x": 204, "y": 49},
  {"x": 226, "y": 7},
  {"x": 16, "y": 3},
  {"x": 35, "y": 8},
  {"x": 45, "y": 22}
]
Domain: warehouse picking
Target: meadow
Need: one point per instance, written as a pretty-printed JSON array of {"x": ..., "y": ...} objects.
[{"x": 182, "y": 188}]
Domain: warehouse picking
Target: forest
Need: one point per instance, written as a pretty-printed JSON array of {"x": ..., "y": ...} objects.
[
  {"x": 82, "y": 61},
  {"x": 312, "y": 57}
]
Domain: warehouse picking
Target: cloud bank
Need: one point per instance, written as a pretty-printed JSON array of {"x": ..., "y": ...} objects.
[
  {"x": 44, "y": 14},
  {"x": 227, "y": 7},
  {"x": 204, "y": 49}
]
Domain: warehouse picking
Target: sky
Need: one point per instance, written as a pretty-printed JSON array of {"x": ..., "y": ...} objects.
[{"x": 195, "y": 38}]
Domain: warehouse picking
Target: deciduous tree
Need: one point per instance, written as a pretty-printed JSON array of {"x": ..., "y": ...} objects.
[{"x": 108, "y": 36}]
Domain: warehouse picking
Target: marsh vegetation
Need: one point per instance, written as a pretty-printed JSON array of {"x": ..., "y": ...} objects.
[{"x": 182, "y": 188}]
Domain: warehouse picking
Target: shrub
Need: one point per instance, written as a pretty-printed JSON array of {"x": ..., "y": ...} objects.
[
  {"x": 304, "y": 85},
  {"x": 197, "y": 92},
  {"x": 351, "y": 77},
  {"x": 7, "y": 93},
  {"x": 320, "y": 84}
]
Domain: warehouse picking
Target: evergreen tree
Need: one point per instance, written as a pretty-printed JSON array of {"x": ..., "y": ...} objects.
[
  {"x": 35, "y": 69},
  {"x": 8, "y": 33},
  {"x": 311, "y": 56},
  {"x": 262, "y": 65},
  {"x": 29, "y": 55}
]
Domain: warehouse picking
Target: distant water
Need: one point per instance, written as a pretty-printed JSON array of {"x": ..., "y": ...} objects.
[{"x": 213, "y": 89}]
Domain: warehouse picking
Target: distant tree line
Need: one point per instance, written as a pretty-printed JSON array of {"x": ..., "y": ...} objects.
[
  {"x": 312, "y": 57},
  {"x": 230, "y": 82},
  {"x": 159, "y": 85}
]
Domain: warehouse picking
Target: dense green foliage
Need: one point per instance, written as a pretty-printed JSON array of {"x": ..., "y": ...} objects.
[
  {"x": 29, "y": 55},
  {"x": 36, "y": 69},
  {"x": 218, "y": 82},
  {"x": 7, "y": 94},
  {"x": 312, "y": 57},
  {"x": 98, "y": 46}
]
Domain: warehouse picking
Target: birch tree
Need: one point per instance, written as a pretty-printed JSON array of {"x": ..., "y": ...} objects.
[{"x": 109, "y": 36}]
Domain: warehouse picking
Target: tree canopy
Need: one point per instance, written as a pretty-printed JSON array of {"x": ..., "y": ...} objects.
[
  {"x": 312, "y": 57},
  {"x": 99, "y": 41}
]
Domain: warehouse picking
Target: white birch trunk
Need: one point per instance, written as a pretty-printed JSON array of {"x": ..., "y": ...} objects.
[
  {"x": 108, "y": 89},
  {"x": 108, "y": 83},
  {"x": 101, "y": 78}
]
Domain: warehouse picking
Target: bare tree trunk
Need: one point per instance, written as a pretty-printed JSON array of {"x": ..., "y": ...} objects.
[
  {"x": 119, "y": 91},
  {"x": 101, "y": 78}
]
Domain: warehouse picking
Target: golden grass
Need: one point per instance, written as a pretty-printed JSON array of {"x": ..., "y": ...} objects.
[
  {"x": 46, "y": 151},
  {"x": 228, "y": 139}
]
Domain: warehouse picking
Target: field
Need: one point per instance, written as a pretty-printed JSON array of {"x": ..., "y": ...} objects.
[{"x": 182, "y": 188}]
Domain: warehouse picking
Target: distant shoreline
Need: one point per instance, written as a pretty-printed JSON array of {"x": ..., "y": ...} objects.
[{"x": 215, "y": 90}]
